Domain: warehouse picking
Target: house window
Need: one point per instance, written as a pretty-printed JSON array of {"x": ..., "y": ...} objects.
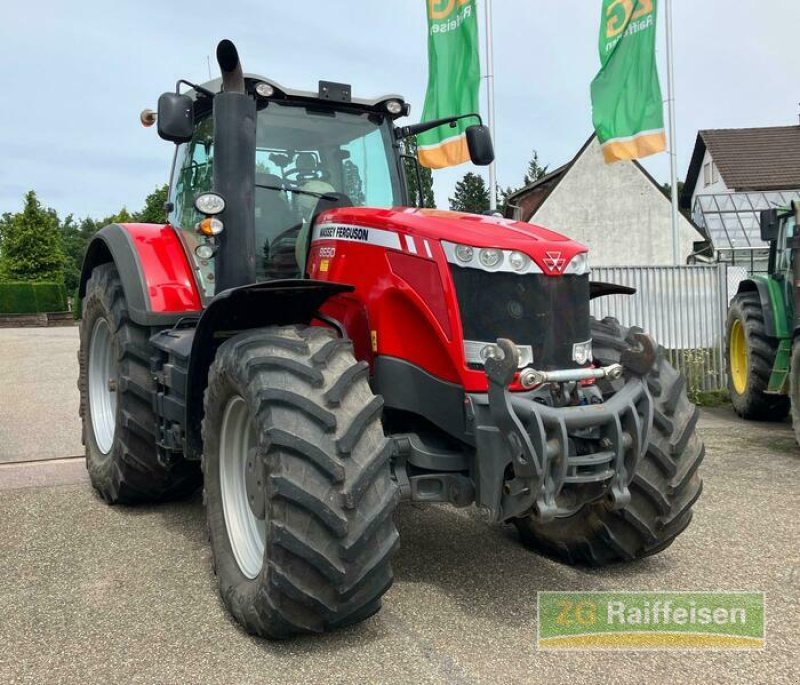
[
  {"x": 714, "y": 172},
  {"x": 707, "y": 174}
]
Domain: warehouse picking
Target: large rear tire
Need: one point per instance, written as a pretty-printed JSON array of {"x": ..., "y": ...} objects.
[
  {"x": 663, "y": 490},
  {"x": 299, "y": 496},
  {"x": 116, "y": 389},
  {"x": 750, "y": 355}
]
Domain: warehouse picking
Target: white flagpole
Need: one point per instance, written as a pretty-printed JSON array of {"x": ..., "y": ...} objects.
[
  {"x": 487, "y": 4},
  {"x": 673, "y": 153}
]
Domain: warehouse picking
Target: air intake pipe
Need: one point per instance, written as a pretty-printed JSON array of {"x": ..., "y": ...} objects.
[{"x": 235, "y": 172}]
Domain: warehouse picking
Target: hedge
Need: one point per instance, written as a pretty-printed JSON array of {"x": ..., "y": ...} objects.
[{"x": 20, "y": 297}]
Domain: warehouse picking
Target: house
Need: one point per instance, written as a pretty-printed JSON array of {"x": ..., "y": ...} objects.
[
  {"x": 733, "y": 175},
  {"x": 618, "y": 210}
]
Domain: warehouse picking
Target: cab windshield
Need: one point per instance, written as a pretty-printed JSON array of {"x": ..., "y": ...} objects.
[{"x": 307, "y": 160}]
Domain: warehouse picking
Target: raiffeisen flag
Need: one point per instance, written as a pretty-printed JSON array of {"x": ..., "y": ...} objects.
[
  {"x": 454, "y": 76},
  {"x": 628, "y": 110}
]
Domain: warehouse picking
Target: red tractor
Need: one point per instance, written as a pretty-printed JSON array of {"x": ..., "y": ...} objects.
[{"x": 313, "y": 351}]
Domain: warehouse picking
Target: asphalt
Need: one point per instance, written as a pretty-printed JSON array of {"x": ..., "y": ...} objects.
[
  {"x": 92, "y": 593},
  {"x": 38, "y": 394}
]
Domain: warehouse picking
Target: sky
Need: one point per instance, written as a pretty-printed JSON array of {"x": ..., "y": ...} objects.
[{"x": 77, "y": 73}]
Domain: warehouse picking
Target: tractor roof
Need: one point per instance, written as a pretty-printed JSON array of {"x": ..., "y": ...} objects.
[{"x": 281, "y": 92}]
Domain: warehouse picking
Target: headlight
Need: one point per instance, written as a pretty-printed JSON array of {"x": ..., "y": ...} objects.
[
  {"x": 394, "y": 107},
  {"x": 264, "y": 90},
  {"x": 491, "y": 258},
  {"x": 579, "y": 265},
  {"x": 464, "y": 253},
  {"x": 205, "y": 251},
  {"x": 209, "y": 204},
  {"x": 518, "y": 261},
  {"x": 582, "y": 352}
]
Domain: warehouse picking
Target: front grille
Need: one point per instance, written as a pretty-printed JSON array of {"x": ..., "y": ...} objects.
[{"x": 549, "y": 313}]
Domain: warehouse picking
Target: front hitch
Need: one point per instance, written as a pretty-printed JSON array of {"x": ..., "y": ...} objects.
[{"x": 538, "y": 439}]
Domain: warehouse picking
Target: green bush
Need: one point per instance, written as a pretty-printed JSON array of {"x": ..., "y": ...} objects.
[{"x": 21, "y": 297}]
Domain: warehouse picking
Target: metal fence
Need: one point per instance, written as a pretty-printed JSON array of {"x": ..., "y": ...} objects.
[{"x": 682, "y": 307}]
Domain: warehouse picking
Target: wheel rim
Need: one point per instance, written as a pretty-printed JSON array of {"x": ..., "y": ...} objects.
[
  {"x": 102, "y": 386},
  {"x": 738, "y": 355},
  {"x": 246, "y": 533}
]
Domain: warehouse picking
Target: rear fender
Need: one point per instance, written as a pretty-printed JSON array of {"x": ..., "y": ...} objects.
[
  {"x": 157, "y": 278},
  {"x": 273, "y": 303}
]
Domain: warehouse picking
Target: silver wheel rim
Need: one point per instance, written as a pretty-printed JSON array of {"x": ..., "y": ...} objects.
[
  {"x": 246, "y": 533},
  {"x": 102, "y": 386}
]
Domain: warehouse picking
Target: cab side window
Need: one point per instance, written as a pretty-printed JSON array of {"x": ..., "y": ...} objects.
[{"x": 194, "y": 174}]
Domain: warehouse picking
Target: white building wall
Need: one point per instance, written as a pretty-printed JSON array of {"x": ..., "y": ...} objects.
[
  {"x": 616, "y": 211},
  {"x": 713, "y": 188}
]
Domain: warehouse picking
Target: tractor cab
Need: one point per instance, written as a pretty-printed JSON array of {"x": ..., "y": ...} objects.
[{"x": 313, "y": 151}]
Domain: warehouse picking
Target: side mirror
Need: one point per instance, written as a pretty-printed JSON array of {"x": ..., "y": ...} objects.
[
  {"x": 175, "y": 117},
  {"x": 479, "y": 142},
  {"x": 769, "y": 224}
]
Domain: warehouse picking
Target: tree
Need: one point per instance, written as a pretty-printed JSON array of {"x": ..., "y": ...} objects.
[
  {"x": 535, "y": 169},
  {"x": 153, "y": 211},
  {"x": 471, "y": 195},
  {"x": 409, "y": 147},
  {"x": 502, "y": 199},
  {"x": 31, "y": 244}
]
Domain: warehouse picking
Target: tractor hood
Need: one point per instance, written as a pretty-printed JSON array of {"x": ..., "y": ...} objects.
[{"x": 469, "y": 229}]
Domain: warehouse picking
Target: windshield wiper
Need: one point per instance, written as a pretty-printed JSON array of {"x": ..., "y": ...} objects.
[{"x": 321, "y": 196}]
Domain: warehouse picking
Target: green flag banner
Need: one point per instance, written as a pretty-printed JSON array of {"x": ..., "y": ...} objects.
[
  {"x": 454, "y": 76},
  {"x": 627, "y": 108}
]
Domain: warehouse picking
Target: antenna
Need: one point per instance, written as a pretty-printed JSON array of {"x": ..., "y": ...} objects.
[{"x": 208, "y": 64}]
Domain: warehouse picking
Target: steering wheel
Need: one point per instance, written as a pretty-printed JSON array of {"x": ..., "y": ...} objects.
[{"x": 279, "y": 255}]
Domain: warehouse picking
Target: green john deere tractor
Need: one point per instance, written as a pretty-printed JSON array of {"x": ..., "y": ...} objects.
[{"x": 763, "y": 323}]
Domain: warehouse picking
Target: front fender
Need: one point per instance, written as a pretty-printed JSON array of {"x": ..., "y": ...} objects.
[
  {"x": 272, "y": 303},
  {"x": 157, "y": 278}
]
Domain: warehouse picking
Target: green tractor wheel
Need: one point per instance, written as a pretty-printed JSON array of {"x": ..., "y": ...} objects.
[{"x": 750, "y": 354}]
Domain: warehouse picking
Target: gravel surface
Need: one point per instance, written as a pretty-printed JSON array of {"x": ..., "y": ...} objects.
[{"x": 93, "y": 593}]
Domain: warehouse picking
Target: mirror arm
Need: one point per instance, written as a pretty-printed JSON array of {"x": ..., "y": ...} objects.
[
  {"x": 194, "y": 86},
  {"x": 414, "y": 129}
]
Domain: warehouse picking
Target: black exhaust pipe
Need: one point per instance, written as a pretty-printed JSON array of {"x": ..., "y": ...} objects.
[
  {"x": 235, "y": 172},
  {"x": 231, "y": 67}
]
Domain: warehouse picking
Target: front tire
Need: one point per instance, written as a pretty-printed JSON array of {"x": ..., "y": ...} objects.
[
  {"x": 750, "y": 355},
  {"x": 116, "y": 389},
  {"x": 300, "y": 504},
  {"x": 663, "y": 490}
]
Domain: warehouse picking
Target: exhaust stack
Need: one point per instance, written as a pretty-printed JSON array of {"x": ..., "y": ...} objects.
[{"x": 235, "y": 172}]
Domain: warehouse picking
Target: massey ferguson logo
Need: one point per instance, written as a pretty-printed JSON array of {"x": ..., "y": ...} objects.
[{"x": 554, "y": 261}]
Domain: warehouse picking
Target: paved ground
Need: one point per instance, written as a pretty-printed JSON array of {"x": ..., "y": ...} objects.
[
  {"x": 92, "y": 593},
  {"x": 38, "y": 394}
]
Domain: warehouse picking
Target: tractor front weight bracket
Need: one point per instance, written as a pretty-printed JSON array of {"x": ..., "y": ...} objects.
[{"x": 550, "y": 477}]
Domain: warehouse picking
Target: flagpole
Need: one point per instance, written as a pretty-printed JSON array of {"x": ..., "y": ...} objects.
[
  {"x": 673, "y": 153},
  {"x": 487, "y": 5}
]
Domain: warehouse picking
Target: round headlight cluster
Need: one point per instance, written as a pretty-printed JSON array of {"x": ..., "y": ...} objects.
[
  {"x": 578, "y": 265},
  {"x": 264, "y": 90},
  {"x": 519, "y": 261},
  {"x": 491, "y": 258},
  {"x": 464, "y": 253},
  {"x": 209, "y": 204}
]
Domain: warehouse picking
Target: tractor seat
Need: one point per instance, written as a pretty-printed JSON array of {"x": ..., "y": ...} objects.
[{"x": 274, "y": 217}]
